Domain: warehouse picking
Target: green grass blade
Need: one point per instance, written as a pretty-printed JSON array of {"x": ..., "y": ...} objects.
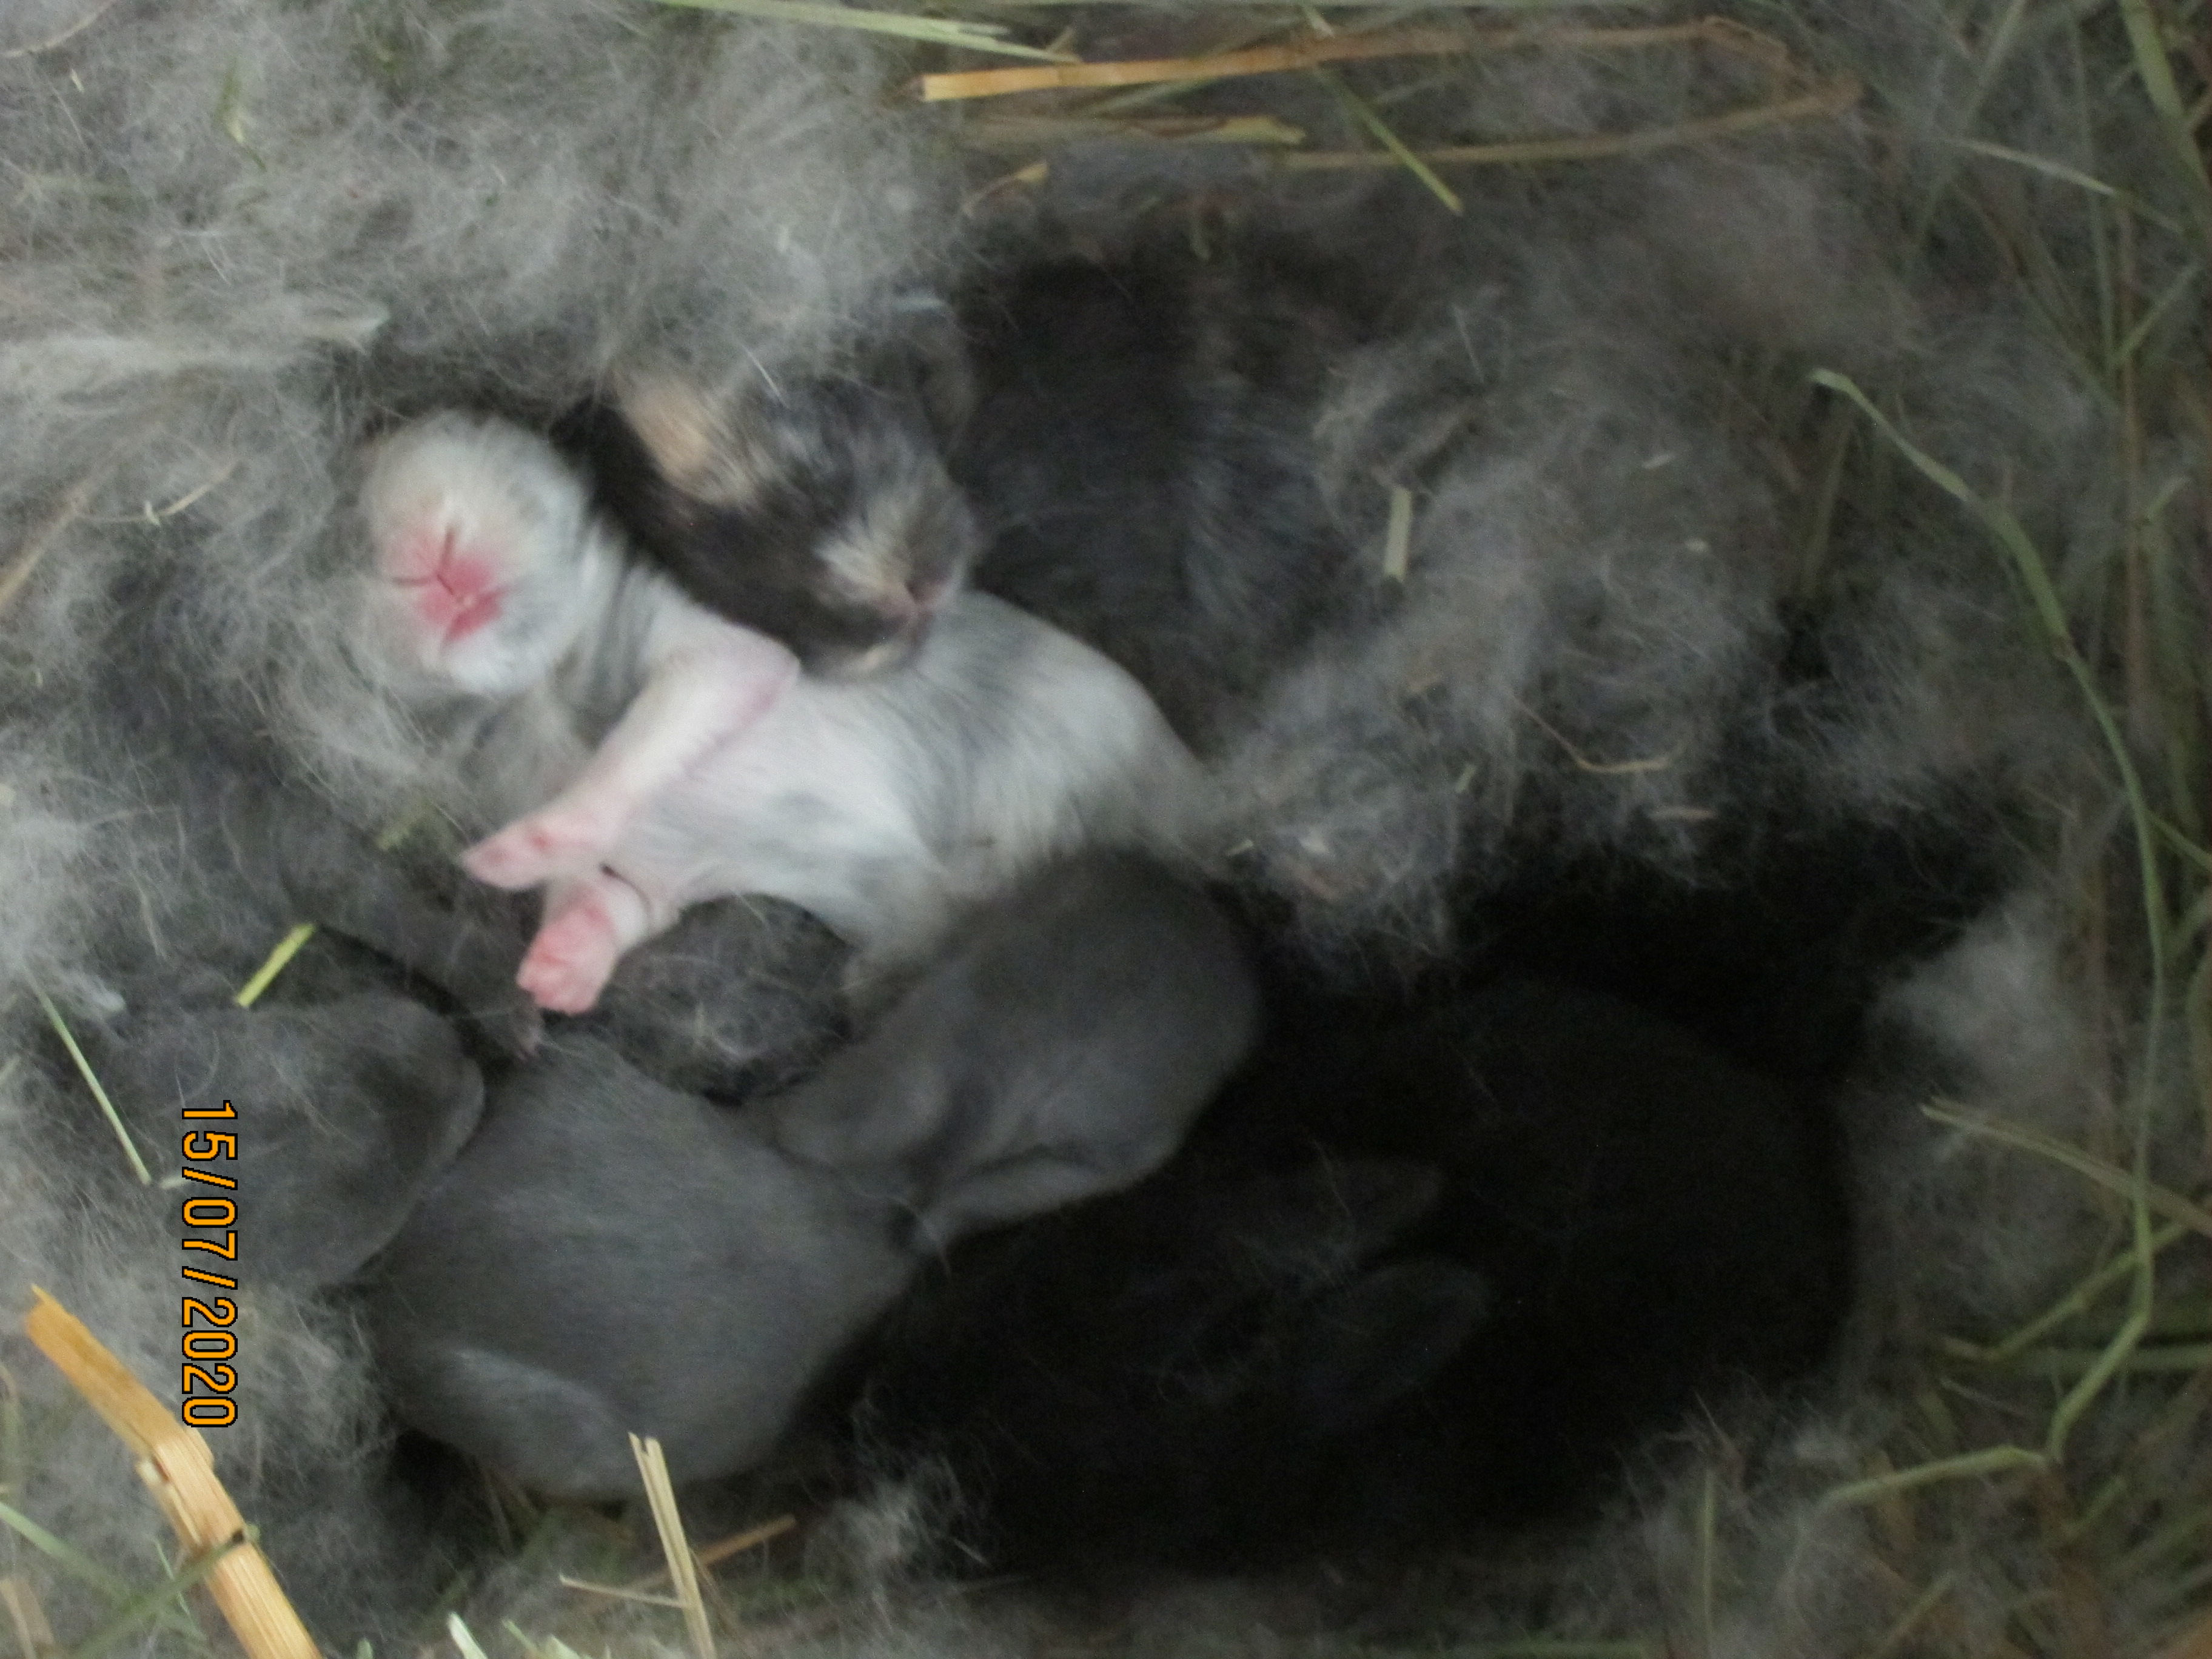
[
  {"x": 2160, "y": 1200},
  {"x": 2071, "y": 1306},
  {"x": 92, "y": 1081},
  {"x": 65, "y": 1555},
  {"x": 464, "y": 1638},
  {"x": 2156, "y": 69},
  {"x": 2152, "y": 315},
  {"x": 1384, "y": 135},
  {"x": 2117, "y": 1354},
  {"x": 78, "y": 1564},
  {"x": 148, "y": 1605},
  {"x": 1970, "y": 1466},
  {"x": 265, "y": 976},
  {"x": 2011, "y": 535},
  {"x": 975, "y": 37}
]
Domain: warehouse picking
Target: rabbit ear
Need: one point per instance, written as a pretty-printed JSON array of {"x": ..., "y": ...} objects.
[
  {"x": 931, "y": 362},
  {"x": 679, "y": 428},
  {"x": 323, "y": 1202},
  {"x": 1385, "y": 1334},
  {"x": 1035, "y": 1182},
  {"x": 1058, "y": 1050},
  {"x": 866, "y": 1110},
  {"x": 910, "y": 1135},
  {"x": 554, "y": 1434},
  {"x": 1317, "y": 1226}
]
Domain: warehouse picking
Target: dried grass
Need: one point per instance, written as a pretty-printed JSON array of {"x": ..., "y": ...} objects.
[{"x": 178, "y": 1469}]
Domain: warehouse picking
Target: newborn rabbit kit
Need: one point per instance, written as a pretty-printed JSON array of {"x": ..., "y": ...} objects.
[{"x": 1468, "y": 979}]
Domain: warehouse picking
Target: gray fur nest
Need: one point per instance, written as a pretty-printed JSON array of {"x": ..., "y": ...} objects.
[{"x": 240, "y": 235}]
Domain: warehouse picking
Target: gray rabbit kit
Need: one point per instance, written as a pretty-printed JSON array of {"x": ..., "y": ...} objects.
[
  {"x": 350, "y": 1109},
  {"x": 608, "y": 1256}
]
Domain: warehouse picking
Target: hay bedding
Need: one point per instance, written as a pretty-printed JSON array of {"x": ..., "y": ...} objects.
[{"x": 240, "y": 235}]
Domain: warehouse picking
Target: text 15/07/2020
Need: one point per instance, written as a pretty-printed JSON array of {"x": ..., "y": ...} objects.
[{"x": 209, "y": 1341}]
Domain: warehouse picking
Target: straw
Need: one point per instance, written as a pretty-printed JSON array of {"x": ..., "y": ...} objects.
[
  {"x": 178, "y": 1469},
  {"x": 682, "y": 1569}
]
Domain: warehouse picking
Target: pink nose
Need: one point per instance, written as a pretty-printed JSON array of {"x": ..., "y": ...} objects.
[{"x": 454, "y": 589}]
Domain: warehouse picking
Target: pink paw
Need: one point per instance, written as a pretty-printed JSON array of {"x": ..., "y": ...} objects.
[
  {"x": 538, "y": 848},
  {"x": 570, "y": 959},
  {"x": 452, "y": 591}
]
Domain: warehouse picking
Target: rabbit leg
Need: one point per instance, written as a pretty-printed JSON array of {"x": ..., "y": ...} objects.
[{"x": 697, "y": 698}]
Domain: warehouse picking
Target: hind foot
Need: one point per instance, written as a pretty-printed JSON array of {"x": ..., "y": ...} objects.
[
  {"x": 571, "y": 959},
  {"x": 587, "y": 928},
  {"x": 542, "y": 847}
]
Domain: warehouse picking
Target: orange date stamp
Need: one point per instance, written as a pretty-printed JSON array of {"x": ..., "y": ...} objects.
[{"x": 209, "y": 1343}]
